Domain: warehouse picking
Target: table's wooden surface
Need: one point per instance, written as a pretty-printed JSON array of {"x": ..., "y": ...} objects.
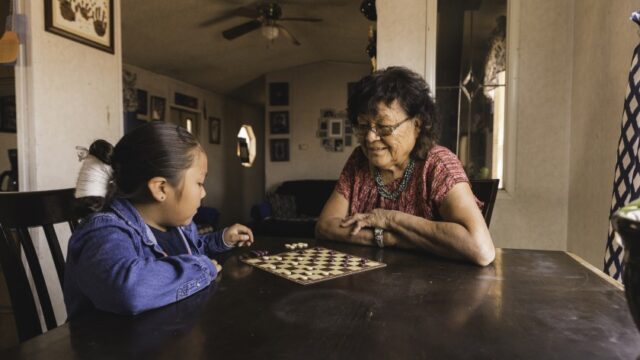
[{"x": 528, "y": 304}]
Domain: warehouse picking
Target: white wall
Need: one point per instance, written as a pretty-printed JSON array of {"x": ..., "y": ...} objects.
[
  {"x": 604, "y": 40},
  {"x": 311, "y": 87},
  {"x": 225, "y": 170},
  {"x": 75, "y": 96},
  {"x": 67, "y": 94},
  {"x": 401, "y": 34},
  {"x": 535, "y": 214}
]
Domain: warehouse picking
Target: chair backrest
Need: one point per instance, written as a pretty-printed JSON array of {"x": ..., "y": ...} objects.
[
  {"x": 20, "y": 211},
  {"x": 486, "y": 191}
]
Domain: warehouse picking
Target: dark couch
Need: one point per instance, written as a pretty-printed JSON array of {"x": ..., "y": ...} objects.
[{"x": 310, "y": 197}]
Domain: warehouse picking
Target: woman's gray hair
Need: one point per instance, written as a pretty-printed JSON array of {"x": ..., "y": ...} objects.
[{"x": 413, "y": 95}]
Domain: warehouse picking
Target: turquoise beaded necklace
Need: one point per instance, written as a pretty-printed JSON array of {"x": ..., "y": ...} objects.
[{"x": 384, "y": 192}]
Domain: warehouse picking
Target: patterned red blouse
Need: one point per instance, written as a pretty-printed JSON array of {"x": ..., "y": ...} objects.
[{"x": 431, "y": 181}]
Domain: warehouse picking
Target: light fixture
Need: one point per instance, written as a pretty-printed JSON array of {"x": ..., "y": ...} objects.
[{"x": 270, "y": 32}]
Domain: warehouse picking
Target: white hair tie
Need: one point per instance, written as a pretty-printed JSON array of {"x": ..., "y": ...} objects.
[{"x": 94, "y": 178}]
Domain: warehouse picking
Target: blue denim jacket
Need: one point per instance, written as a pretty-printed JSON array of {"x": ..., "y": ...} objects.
[{"x": 115, "y": 264}]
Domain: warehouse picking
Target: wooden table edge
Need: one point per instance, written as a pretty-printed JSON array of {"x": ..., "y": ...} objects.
[{"x": 597, "y": 271}]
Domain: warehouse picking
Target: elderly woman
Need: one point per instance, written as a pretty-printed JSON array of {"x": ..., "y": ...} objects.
[{"x": 399, "y": 188}]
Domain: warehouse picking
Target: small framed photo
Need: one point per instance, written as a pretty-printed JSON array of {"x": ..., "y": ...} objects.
[
  {"x": 348, "y": 140},
  {"x": 185, "y": 100},
  {"x": 158, "y": 105},
  {"x": 348, "y": 129},
  {"x": 87, "y": 22},
  {"x": 338, "y": 145},
  {"x": 279, "y": 94},
  {"x": 327, "y": 113},
  {"x": 143, "y": 105},
  {"x": 214, "y": 130},
  {"x": 336, "y": 128},
  {"x": 322, "y": 124},
  {"x": 279, "y": 149},
  {"x": 279, "y": 122},
  {"x": 8, "y": 114}
]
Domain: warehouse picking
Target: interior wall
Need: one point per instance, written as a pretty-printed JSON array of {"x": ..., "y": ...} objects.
[
  {"x": 604, "y": 40},
  {"x": 68, "y": 94},
  {"x": 401, "y": 34},
  {"x": 223, "y": 167},
  {"x": 243, "y": 187},
  {"x": 312, "y": 87},
  {"x": 535, "y": 215}
]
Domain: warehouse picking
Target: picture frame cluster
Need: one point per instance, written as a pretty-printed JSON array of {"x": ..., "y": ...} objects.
[
  {"x": 334, "y": 130},
  {"x": 279, "y": 121}
]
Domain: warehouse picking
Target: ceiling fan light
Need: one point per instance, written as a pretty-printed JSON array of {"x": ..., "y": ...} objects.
[{"x": 270, "y": 32}]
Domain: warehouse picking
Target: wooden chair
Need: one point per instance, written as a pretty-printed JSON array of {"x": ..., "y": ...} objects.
[
  {"x": 20, "y": 211},
  {"x": 486, "y": 191}
]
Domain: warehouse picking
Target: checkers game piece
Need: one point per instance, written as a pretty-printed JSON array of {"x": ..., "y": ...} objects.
[{"x": 325, "y": 264}]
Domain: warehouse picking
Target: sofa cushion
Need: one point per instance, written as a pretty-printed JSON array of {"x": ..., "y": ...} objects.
[
  {"x": 310, "y": 195},
  {"x": 283, "y": 205}
]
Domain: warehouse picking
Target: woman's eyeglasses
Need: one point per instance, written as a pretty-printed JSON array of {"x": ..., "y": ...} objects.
[{"x": 361, "y": 130}]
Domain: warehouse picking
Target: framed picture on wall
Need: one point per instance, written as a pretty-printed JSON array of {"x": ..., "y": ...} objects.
[
  {"x": 279, "y": 94},
  {"x": 87, "y": 22},
  {"x": 214, "y": 130},
  {"x": 8, "y": 114},
  {"x": 143, "y": 105},
  {"x": 189, "y": 120},
  {"x": 279, "y": 149},
  {"x": 327, "y": 113},
  {"x": 185, "y": 100},
  {"x": 157, "y": 107},
  {"x": 335, "y": 128},
  {"x": 348, "y": 140},
  {"x": 279, "y": 122}
]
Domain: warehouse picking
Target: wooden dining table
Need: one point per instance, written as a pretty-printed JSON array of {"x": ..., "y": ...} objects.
[{"x": 528, "y": 304}]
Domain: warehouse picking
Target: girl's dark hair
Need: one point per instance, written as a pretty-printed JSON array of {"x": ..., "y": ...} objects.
[
  {"x": 153, "y": 149},
  {"x": 413, "y": 95}
]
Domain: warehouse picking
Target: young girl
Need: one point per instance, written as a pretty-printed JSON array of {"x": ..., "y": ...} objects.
[{"x": 139, "y": 250}]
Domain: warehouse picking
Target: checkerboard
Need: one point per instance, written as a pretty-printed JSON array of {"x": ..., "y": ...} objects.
[{"x": 313, "y": 265}]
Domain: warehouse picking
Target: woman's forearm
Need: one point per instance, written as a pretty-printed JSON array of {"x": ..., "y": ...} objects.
[{"x": 447, "y": 239}]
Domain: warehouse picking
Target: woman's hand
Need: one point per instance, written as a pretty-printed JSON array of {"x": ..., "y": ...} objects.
[
  {"x": 238, "y": 235},
  {"x": 379, "y": 218}
]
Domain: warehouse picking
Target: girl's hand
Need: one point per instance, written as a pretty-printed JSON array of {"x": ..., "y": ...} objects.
[
  {"x": 238, "y": 235},
  {"x": 218, "y": 266},
  {"x": 377, "y": 218}
]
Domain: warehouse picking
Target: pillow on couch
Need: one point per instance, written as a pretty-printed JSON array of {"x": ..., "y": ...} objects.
[{"x": 284, "y": 206}]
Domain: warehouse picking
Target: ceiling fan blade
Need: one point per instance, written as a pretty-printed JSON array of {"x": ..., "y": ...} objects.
[
  {"x": 241, "y": 29},
  {"x": 300, "y": 19},
  {"x": 246, "y": 12},
  {"x": 288, "y": 35}
]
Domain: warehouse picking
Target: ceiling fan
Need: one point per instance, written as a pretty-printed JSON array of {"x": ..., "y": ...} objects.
[{"x": 265, "y": 15}]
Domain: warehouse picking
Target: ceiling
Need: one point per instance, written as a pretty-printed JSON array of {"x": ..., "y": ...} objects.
[{"x": 165, "y": 36}]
